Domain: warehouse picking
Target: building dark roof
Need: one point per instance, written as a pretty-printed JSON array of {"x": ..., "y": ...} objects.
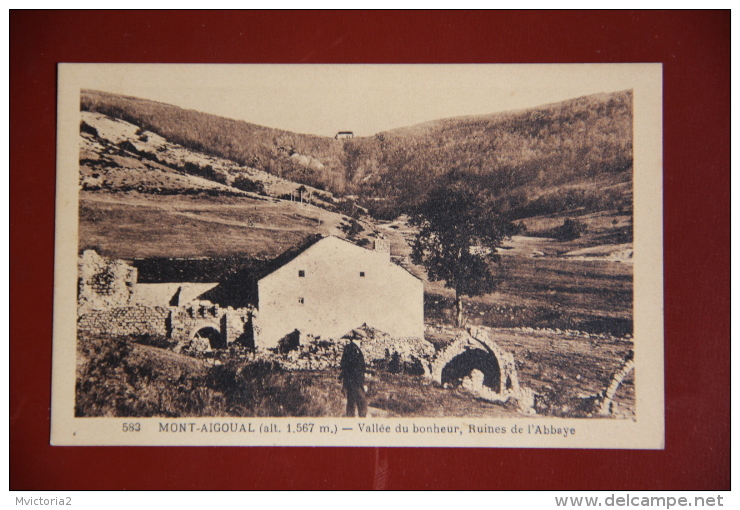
[
  {"x": 289, "y": 254},
  {"x": 195, "y": 270}
]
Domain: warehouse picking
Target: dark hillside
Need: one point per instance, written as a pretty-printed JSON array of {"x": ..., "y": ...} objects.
[{"x": 538, "y": 161}]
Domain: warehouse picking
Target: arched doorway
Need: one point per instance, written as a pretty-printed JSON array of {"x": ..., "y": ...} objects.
[
  {"x": 211, "y": 335},
  {"x": 467, "y": 363}
]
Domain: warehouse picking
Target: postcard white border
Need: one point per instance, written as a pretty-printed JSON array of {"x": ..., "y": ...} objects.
[{"x": 646, "y": 432}]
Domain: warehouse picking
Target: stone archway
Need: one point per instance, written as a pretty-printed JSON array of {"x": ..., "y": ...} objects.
[
  {"x": 477, "y": 363},
  {"x": 207, "y": 336},
  {"x": 473, "y": 369}
]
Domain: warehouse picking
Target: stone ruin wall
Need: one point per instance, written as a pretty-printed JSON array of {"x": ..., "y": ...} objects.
[
  {"x": 106, "y": 304},
  {"x": 232, "y": 324},
  {"x": 128, "y": 320},
  {"x": 103, "y": 283},
  {"x": 177, "y": 323},
  {"x": 377, "y": 345},
  {"x": 315, "y": 353}
]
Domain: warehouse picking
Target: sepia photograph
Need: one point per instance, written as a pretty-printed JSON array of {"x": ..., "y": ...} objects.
[{"x": 452, "y": 255}]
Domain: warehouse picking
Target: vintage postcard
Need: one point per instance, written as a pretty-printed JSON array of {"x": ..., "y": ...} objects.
[{"x": 359, "y": 255}]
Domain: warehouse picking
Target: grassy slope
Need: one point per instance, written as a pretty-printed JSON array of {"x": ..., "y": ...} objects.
[
  {"x": 130, "y": 225},
  {"x": 592, "y": 296}
]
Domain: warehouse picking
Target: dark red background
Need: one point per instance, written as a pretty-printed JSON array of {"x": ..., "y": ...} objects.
[{"x": 694, "y": 47}]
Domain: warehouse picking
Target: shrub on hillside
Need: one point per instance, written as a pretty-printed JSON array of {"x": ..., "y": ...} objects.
[
  {"x": 386, "y": 210},
  {"x": 569, "y": 230},
  {"x": 352, "y": 228},
  {"x": 87, "y": 128},
  {"x": 349, "y": 208},
  {"x": 246, "y": 184},
  {"x": 207, "y": 172}
]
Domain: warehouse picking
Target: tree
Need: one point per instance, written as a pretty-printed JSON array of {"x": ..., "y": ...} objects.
[
  {"x": 460, "y": 232},
  {"x": 246, "y": 184}
]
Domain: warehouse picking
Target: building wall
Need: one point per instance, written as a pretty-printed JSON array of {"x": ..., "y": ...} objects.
[
  {"x": 169, "y": 294},
  {"x": 335, "y": 298}
]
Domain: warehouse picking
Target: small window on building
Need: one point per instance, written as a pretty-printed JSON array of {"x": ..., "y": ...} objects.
[
  {"x": 301, "y": 273},
  {"x": 362, "y": 274},
  {"x": 300, "y": 300}
]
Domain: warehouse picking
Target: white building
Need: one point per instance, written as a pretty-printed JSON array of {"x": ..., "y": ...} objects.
[{"x": 333, "y": 286}]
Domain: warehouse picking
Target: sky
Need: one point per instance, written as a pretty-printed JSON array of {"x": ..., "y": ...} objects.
[{"x": 365, "y": 99}]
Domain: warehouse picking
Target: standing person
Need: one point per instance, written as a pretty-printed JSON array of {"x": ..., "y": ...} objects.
[{"x": 352, "y": 376}]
